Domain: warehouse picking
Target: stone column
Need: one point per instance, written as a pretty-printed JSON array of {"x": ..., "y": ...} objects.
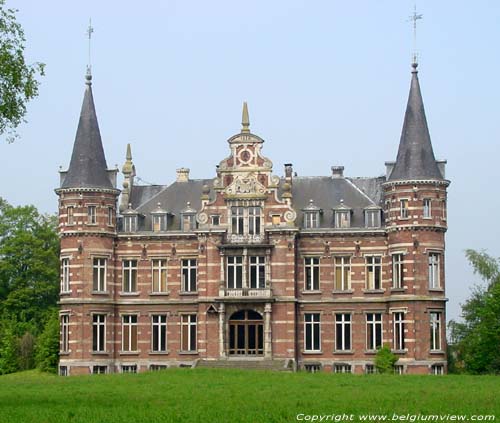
[
  {"x": 267, "y": 331},
  {"x": 222, "y": 325}
]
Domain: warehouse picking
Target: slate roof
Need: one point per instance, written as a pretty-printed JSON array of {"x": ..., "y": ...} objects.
[
  {"x": 415, "y": 158},
  {"x": 88, "y": 168}
]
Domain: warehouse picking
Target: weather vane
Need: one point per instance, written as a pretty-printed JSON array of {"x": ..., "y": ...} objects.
[
  {"x": 414, "y": 18},
  {"x": 89, "y": 32}
]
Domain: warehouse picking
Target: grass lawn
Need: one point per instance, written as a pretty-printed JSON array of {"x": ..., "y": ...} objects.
[{"x": 212, "y": 395}]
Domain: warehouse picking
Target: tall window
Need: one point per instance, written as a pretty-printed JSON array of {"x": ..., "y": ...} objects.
[
  {"x": 427, "y": 208},
  {"x": 435, "y": 336},
  {"x": 312, "y": 273},
  {"x": 434, "y": 270},
  {"x": 70, "y": 215},
  {"x": 234, "y": 272},
  {"x": 189, "y": 272},
  {"x": 373, "y": 272},
  {"x": 129, "y": 333},
  {"x": 397, "y": 270},
  {"x": 111, "y": 213},
  {"x": 64, "y": 333},
  {"x": 311, "y": 219},
  {"x": 399, "y": 330},
  {"x": 99, "y": 332},
  {"x": 159, "y": 273},
  {"x": 403, "y": 209},
  {"x": 342, "y": 332},
  {"x": 312, "y": 332},
  {"x": 188, "y": 332},
  {"x": 159, "y": 222},
  {"x": 342, "y": 273},
  {"x": 188, "y": 222},
  {"x": 92, "y": 215},
  {"x": 373, "y": 331},
  {"x": 99, "y": 274},
  {"x": 372, "y": 218},
  {"x": 159, "y": 333},
  {"x": 129, "y": 276},
  {"x": 254, "y": 220},
  {"x": 342, "y": 219},
  {"x": 130, "y": 223},
  {"x": 257, "y": 272},
  {"x": 237, "y": 220},
  {"x": 65, "y": 275}
]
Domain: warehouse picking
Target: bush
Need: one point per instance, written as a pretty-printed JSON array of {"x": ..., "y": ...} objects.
[
  {"x": 47, "y": 348},
  {"x": 385, "y": 360}
]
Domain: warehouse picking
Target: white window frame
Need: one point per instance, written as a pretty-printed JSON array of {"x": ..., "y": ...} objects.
[
  {"x": 129, "y": 275},
  {"x": 375, "y": 262},
  {"x": 342, "y": 322},
  {"x": 129, "y": 368},
  {"x": 130, "y": 223},
  {"x": 255, "y": 265},
  {"x": 311, "y": 269},
  {"x": 237, "y": 220},
  {"x": 159, "y": 275},
  {"x": 342, "y": 219},
  {"x": 254, "y": 220},
  {"x": 342, "y": 368},
  {"x": 312, "y": 322},
  {"x": 111, "y": 212},
  {"x": 189, "y": 320},
  {"x": 92, "y": 214},
  {"x": 99, "y": 367},
  {"x": 99, "y": 264},
  {"x": 404, "y": 212},
  {"x": 375, "y": 321},
  {"x": 187, "y": 266},
  {"x": 159, "y": 222},
  {"x": 311, "y": 219},
  {"x": 130, "y": 321},
  {"x": 399, "y": 341},
  {"x": 398, "y": 270},
  {"x": 65, "y": 275},
  {"x": 64, "y": 333},
  {"x": 159, "y": 325},
  {"x": 234, "y": 267},
  {"x": 437, "y": 369},
  {"x": 427, "y": 208},
  {"x": 70, "y": 215},
  {"x": 372, "y": 218},
  {"x": 98, "y": 323},
  {"x": 434, "y": 260},
  {"x": 435, "y": 330},
  {"x": 344, "y": 267}
]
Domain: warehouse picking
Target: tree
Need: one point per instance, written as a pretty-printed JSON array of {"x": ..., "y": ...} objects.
[
  {"x": 475, "y": 341},
  {"x": 47, "y": 349},
  {"x": 18, "y": 83},
  {"x": 9, "y": 347},
  {"x": 385, "y": 360}
]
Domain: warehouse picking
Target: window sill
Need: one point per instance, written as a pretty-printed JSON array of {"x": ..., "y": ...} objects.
[
  {"x": 404, "y": 218},
  {"x": 311, "y": 292},
  {"x": 373, "y": 291},
  {"x": 400, "y": 352},
  {"x": 64, "y": 353},
  {"x": 91, "y": 224},
  {"x": 340, "y": 352},
  {"x": 436, "y": 289},
  {"x": 99, "y": 353},
  {"x": 129, "y": 294},
  {"x": 370, "y": 352},
  {"x": 342, "y": 291},
  {"x": 129, "y": 352},
  {"x": 188, "y": 352},
  {"x": 398, "y": 289},
  {"x": 65, "y": 293},
  {"x": 167, "y": 352},
  {"x": 427, "y": 218},
  {"x": 100, "y": 292},
  {"x": 187, "y": 293},
  {"x": 436, "y": 352},
  {"x": 312, "y": 352},
  {"x": 159, "y": 294}
]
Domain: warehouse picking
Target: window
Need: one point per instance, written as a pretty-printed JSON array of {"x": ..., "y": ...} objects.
[
  {"x": 129, "y": 275},
  {"x": 342, "y": 273},
  {"x": 312, "y": 332},
  {"x": 434, "y": 271},
  {"x": 215, "y": 220},
  {"x": 276, "y": 219},
  {"x": 312, "y": 367},
  {"x": 129, "y": 333},
  {"x": 159, "y": 222},
  {"x": 64, "y": 333},
  {"x": 188, "y": 222},
  {"x": 399, "y": 370},
  {"x": 99, "y": 370},
  {"x": 342, "y": 368},
  {"x": 111, "y": 213},
  {"x": 370, "y": 369},
  {"x": 99, "y": 332},
  {"x": 130, "y": 223},
  {"x": 257, "y": 272},
  {"x": 437, "y": 369},
  {"x": 444, "y": 209},
  {"x": 403, "y": 209},
  {"x": 188, "y": 332},
  {"x": 311, "y": 219},
  {"x": 234, "y": 272},
  {"x": 397, "y": 271},
  {"x": 92, "y": 215},
  {"x": 65, "y": 275},
  {"x": 189, "y": 271},
  {"x": 312, "y": 273},
  {"x": 127, "y": 368},
  {"x": 99, "y": 274},
  {"x": 237, "y": 220},
  {"x": 342, "y": 332},
  {"x": 342, "y": 219},
  {"x": 254, "y": 220},
  {"x": 63, "y": 371},
  {"x": 159, "y": 275},
  {"x": 372, "y": 218},
  {"x": 373, "y": 272},
  {"x": 157, "y": 367},
  {"x": 159, "y": 333},
  {"x": 399, "y": 331},
  {"x": 435, "y": 335},
  {"x": 427, "y": 208},
  {"x": 373, "y": 331},
  {"x": 70, "y": 215}
]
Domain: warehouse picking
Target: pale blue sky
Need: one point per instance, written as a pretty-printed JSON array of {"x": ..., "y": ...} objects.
[{"x": 326, "y": 82}]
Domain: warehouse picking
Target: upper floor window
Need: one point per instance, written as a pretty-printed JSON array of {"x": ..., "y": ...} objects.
[
  {"x": 311, "y": 215},
  {"x": 312, "y": 332},
  {"x": 311, "y": 265},
  {"x": 373, "y": 272},
  {"x": 257, "y": 272},
  {"x": 372, "y": 218},
  {"x": 111, "y": 216},
  {"x": 188, "y": 218},
  {"x": 189, "y": 275},
  {"x": 435, "y": 333},
  {"x": 399, "y": 330},
  {"x": 99, "y": 274},
  {"x": 92, "y": 215},
  {"x": 397, "y": 270},
  {"x": 427, "y": 208},
  {"x": 64, "y": 333},
  {"x": 130, "y": 223},
  {"x": 65, "y": 272},
  {"x": 159, "y": 219},
  {"x": 434, "y": 281},
  {"x": 234, "y": 272},
  {"x": 403, "y": 209},
  {"x": 129, "y": 276},
  {"x": 215, "y": 220},
  {"x": 373, "y": 331},
  {"x": 159, "y": 275},
  {"x": 70, "y": 218},
  {"x": 342, "y": 273},
  {"x": 342, "y": 218},
  {"x": 246, "y": 220},
  {"x": 254, "y": 220}
]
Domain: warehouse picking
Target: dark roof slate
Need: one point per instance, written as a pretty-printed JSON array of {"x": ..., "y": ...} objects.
[{"x": 415, "y": 158}]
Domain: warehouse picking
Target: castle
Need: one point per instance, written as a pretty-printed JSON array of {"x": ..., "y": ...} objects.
[{"x": 250, "y": 269}]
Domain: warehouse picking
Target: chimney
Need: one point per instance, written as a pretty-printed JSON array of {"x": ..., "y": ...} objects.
[
  {"x": 288, "y": 170},
  {"x": 337, "y": 171},
  {"x": 182, "y": 174},
  {"x": 442, "y": 167},
  {"x": 389, "y": 166}
]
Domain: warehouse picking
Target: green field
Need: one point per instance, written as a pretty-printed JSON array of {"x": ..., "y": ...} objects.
[{"x": 207, "y": 395}]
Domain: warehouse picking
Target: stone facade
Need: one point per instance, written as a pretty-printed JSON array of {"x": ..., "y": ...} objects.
[{"x": 317, "y": 273}]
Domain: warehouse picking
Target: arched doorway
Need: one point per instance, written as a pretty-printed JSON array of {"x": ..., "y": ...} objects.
[{"x": 246, "y": 333}]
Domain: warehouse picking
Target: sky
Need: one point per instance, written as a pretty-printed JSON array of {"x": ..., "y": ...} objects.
[{"x": 326, "y": 83}]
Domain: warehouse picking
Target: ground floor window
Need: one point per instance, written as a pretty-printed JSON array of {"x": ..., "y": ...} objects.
[
  {"x": 342, "y": 368},
  {"x": 246, "y": 333},
  {"x": 373, "y": 331},
  {"x": 157, "y": 367},
  {"x": 63, "y": 371},
  {"x": 312, "y": 367},
  {"x": 312, "y": 332},
  {"x": 99, "y": 370},
  {"x": 437, "y": 369},
  {"x": 370, "y": 369},
  {"x": 399, "y": 370},
  {"x": 188, "y": 332},
  {"x": 129, "y": 368}
]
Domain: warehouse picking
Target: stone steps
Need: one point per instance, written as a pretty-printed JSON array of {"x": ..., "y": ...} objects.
[{"x": 274, "y": 365}]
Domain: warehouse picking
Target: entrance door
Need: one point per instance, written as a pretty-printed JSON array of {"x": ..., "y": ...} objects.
[{"x": 246, "y": 333}]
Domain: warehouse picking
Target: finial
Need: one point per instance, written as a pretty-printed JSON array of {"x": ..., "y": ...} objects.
[
  {"x": 414, "y": 18},
  {"x": 89, "y": 32},
  {"x": 129, "y": 152},
  {"x": 245, "y": 120}
]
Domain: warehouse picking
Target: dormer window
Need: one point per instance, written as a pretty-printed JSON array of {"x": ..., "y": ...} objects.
[
  {"x": 372, "y": 217},
  {"x": 311, "y": 215},
  {"x": 130, "y": 217},
  {"x": 342, "y": 216},
  {"x": 159, "y": 219},
  {"x": 188, "y": 218}
]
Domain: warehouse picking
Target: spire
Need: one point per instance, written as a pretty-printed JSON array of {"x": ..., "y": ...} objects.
[
  {"x": 415, "y": 158},
  {"x": 128, "y": 166},
  {"x": 245, "y": 120},
  {"x": 88, "y": 167}
]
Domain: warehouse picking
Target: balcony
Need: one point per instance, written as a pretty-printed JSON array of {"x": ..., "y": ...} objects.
[
  {"x": 245, "y": 292},
  {"x": 245, "y": 239}
]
